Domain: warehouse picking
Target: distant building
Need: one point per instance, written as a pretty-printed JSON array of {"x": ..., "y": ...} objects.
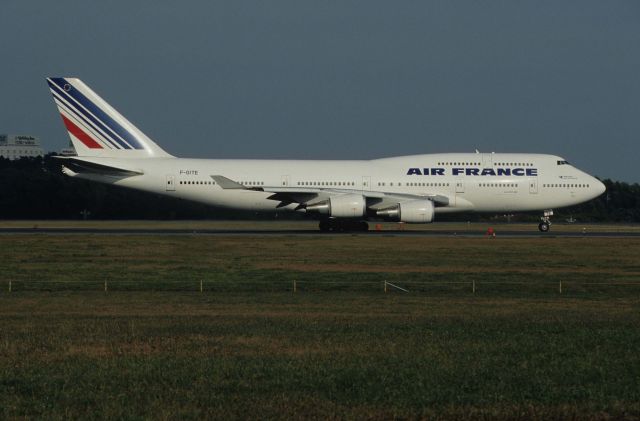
[
  {"x": 19, "y": 146},
  {"x": 69, "y": 151}
]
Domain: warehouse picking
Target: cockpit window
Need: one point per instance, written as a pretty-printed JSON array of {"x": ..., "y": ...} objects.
[{"x": 563, "y": 162}]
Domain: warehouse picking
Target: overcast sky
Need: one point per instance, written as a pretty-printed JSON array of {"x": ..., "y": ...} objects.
[{"x": 339, "y": 79}]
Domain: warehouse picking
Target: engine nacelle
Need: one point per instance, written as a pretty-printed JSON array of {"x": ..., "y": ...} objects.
[
  {"x": 415, "y": 212},
  {"x": 344, "y": 206}
]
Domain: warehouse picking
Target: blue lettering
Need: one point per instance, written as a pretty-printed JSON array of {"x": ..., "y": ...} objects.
[
  {"x": 488, "y": 171},
  {"x": 531, "y": 172}
]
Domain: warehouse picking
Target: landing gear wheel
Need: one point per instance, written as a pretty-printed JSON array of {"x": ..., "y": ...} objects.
[
  {"x": 324, "y": 226},
  {"x": 338, "y": 225},
  {"x": 546, "y": 221}
]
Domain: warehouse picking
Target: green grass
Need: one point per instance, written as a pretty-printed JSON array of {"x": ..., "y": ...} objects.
[
  {"x": 248, "y": 347},
  {"x": 320, "y": 263}
]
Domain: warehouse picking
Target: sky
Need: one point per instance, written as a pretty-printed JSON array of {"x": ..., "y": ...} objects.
[{"x": 339, "y": 79}]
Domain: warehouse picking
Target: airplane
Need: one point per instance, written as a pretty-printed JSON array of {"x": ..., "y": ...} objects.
[{"x": 342, "y": 194}]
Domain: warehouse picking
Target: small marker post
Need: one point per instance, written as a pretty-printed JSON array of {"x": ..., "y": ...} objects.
[
  {"x": 105, "y": 286},
  {"x": 560, "y": 288},
  {"x": 295, "y": 286},
  {"x": 9, "y": 286},
  {"x": 473, "y": 286},
  {"x": 200, "y": 286},
  {"x": 385, "y": 287}
]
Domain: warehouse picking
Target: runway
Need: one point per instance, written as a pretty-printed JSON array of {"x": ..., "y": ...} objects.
[{"x": 313, "y": 233}]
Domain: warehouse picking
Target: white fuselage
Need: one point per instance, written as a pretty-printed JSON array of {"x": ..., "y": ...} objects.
[{"x": 470, "y": 182}]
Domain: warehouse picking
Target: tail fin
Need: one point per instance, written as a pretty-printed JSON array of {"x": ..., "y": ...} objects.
[{"x": 95, "y": 128}]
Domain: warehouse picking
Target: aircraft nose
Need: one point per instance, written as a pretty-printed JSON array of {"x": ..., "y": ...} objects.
[{"x": 598, "y": 187}]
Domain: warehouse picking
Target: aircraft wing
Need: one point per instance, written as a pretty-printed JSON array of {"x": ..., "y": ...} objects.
[
  {"x": 305, "y": 195},
  {"x": 375, "y": 199},
  {"x": 227, "y": 183}
]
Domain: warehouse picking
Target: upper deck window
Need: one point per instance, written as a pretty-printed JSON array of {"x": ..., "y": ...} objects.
[{"x": 563, "y": 163}]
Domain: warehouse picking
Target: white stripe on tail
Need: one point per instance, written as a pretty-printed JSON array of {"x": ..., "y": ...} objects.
[{"x": 96, "y": 129}]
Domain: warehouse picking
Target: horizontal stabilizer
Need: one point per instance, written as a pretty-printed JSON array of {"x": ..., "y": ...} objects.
[{"x": 81, "y": 166}]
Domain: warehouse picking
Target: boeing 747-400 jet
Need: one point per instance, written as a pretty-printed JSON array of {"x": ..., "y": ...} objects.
[{"x": 342, "y": 194}]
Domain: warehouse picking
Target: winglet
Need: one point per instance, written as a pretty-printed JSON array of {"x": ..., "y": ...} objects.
[{"x": 226, "y": 183}]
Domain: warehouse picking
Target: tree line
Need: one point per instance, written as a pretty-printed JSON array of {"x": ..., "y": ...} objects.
[{"x": 35, "y": 188}]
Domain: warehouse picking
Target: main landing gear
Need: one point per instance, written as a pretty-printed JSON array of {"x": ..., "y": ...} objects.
[
  {"x": 546, "y": 221},
  {"x": 342, "y": 225}
]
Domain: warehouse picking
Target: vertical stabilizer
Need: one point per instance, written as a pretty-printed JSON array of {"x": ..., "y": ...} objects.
[{"x": 95, "y": 128}]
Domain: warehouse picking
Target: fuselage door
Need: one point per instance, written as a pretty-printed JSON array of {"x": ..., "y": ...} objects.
[
  {"x": 366, "y": 182},
  {"x": 459, "y": 185},
  {"x": 487, "y": 160},
  {"x": 171, "y": 183},
  {"x": 285, "y": 181},
  {"x": 533, "y": 186}
]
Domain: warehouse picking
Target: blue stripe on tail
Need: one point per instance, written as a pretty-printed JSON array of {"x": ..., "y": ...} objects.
[
  {"x": 72, "y": 105},
  {"x": 103, "y": 119},
  {"x": 80, "y": 117}
]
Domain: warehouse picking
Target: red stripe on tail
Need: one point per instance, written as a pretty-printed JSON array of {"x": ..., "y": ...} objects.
[{"x": 82, "y": 136}]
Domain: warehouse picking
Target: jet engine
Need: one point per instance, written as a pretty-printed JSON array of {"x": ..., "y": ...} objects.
[
  {"x": 415, "y": 211},
  {"x": 344, "y": 206}
]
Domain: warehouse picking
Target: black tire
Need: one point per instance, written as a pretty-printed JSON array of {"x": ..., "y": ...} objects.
[
  {"x": 324, "y": 226},
  {"x": 543, "y": 227},
  {"x": 337, "y": 225}
]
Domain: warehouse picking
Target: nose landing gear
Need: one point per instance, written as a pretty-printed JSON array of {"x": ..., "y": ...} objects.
[{"x": 545, "y": 223}]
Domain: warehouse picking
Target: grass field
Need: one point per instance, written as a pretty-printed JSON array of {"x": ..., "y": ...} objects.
[{"x": 153, "y": 346}]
